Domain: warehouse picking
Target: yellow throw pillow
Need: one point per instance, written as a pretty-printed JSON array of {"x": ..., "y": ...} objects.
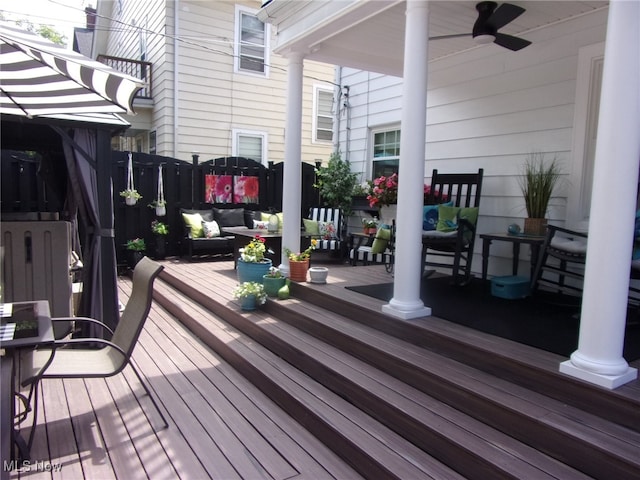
[
  {"x": 194, "y": 222},
  {"x": 383, "y": 235},
  {"x": 311, "y": 226}
]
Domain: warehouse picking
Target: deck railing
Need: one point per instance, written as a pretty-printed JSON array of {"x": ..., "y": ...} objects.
[{"x": 136, "y": 68}]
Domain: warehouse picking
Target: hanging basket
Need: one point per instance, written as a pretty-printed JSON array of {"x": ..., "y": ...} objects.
[
  {"x": 130, "y": 199},
  {"x": 161, "y": 208},
  {"x": 161, "y": 211},
  {"x": 298, "y": 270}
]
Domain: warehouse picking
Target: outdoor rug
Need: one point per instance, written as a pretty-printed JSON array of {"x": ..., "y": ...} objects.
[{"x": 547, "y": 321}]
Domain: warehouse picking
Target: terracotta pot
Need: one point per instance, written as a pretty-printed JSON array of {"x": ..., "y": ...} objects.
[
  {"x": 535, "y": 226},
  {"x": 298, "y": 270}
]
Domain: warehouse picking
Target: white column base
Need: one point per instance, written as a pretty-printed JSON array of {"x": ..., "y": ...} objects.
[
  {"x": 606, "y": 381},
  {"x": 406, "y": 311}
]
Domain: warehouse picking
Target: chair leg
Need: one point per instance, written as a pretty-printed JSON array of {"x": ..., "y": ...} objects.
[{"x": 146, "y": 389}]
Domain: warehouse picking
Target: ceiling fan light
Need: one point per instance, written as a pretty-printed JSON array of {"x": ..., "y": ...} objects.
[{"x": 484, "y": 39}]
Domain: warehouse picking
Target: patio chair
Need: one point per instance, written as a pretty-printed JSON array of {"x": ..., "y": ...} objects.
[
  {"x": 561, "y": 264},
  {"x": 81, "y": 357},
  {"x": 451, "y": 238},
  {"x": 331, "y": 230}
]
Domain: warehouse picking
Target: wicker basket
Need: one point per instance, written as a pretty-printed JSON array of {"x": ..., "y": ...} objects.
[
  {"x": 535, "y": 226},
  {"x": 298, "y": 270}
]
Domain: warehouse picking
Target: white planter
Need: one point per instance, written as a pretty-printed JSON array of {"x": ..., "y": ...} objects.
[
  {"x": 388, "y": 214},
  {"x": 318, "y": 274},
  {"x": 130, "y": 200},
  {"x": 161, "y": 211}
]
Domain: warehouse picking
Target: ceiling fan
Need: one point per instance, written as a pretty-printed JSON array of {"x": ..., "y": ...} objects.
[{"x": 492, "y": 18}]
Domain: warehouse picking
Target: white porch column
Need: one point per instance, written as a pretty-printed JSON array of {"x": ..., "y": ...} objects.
[
  {"x": 292, "y": 195},
  {"x": 604, "y": 306},
  {"x": 406, "y": 302}
]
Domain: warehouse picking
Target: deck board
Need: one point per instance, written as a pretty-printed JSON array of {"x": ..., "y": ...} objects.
[{"x": 221, "y": 425}]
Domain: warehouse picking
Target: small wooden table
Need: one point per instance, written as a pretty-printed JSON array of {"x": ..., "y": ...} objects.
[{"x": 516, "y": 240}]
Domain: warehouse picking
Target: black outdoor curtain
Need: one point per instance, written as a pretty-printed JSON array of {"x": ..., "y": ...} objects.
[{"x": 99, "y": 276}]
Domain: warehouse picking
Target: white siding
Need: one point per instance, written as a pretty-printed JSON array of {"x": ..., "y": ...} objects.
[
  {"x": 212, "y": 99},
  {"x": 487, "y": 107}
]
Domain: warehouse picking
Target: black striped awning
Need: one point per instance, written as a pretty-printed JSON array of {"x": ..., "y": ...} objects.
[{"x": 39, "y": 78}]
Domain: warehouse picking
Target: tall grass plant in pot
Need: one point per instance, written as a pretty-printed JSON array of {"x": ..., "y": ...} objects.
[{"x": 537, "y": 183}]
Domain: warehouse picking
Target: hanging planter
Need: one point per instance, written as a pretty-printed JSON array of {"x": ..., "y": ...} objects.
[
  {"x": 131, "y": 195},
  {"x": 159, "y": 204}
]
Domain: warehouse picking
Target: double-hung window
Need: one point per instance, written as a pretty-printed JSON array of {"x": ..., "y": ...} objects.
[
  {"x": 322, "y": 114},
  {"x": 250, "y": 144},
  {"x": 251, "y": 43},
  {"x": 386, "y": 152}
]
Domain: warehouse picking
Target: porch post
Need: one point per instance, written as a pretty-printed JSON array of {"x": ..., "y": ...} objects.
[
  {"x": 292, "y": 173},
  {"x": 599, "y": 358},
  {"x": 406, "y": 302}
]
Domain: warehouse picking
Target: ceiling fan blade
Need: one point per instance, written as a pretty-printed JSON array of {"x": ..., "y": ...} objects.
[
  {"x": 511, "y": 42},
  {"x": 504, "y": 14},
  {"x": 453, "y": 35}
]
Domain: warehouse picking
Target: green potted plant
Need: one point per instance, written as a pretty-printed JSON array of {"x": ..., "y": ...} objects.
[
  {"x": 273, "y": 281},
  {"x": 160, "y": 231},
  {"x": 160, "y": 207},
  {"x": 250, "y": 294},
  {"x": 336, "y": 182},
  {"x": 537, "y": 183},
  {"x": 252, "y": 264},
  {"x": 131, "y": 196},
  {"x": 135, "y": 251}
]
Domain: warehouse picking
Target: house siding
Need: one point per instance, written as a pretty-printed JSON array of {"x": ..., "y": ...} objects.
[
  {"x": 212, "y": 99},
  {"x": 487, "y": 108}
]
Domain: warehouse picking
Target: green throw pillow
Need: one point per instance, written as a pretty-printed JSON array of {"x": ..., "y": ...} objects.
[
  {"x": 194, "y": 222},
  {"x": 447, "y": 218},
  {"x": 311, "y": 226},
  {"x": 383, "y": 235},
  {"x": 471, "y": 215}
]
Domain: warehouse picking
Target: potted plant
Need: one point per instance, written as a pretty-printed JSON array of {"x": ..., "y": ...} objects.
[
  {"x": 160, "y": 206},
  {"x": 131, "y": 196},
  {"x": 273, "y": 281},
  {"x": 336, "y": 182},
  {"x": 383, "y": 194},
  {"x": 135, "y": 251},
  {"x": 537, "y": 184},
  {"x": 160, "y": 231},
  {"x": 250, "y": 295},
  {"x": 299, "y": 262},
  {"x": 252, "y": 264},
  {"x": 370, "y": 225}
]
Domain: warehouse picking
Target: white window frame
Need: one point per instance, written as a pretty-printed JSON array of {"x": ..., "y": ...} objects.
[
  {"x": 236, "y": 133},
  {"x": 374, "y": 132},
  {"x": 585, "y": 126},
  {"x": 316, "y": 104},
  {"x": 240, "y": 10}
]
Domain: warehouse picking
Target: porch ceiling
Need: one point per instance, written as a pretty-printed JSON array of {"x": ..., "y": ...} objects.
[{"x": 370, "y": 35}]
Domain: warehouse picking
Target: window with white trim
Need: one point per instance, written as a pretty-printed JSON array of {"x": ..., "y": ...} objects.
[
  {"x": 250, "y": 144},
  {"x": 251, "y": 46},
  {"x": 322, "y": 114},
  {"x": 386, "y": 152}
]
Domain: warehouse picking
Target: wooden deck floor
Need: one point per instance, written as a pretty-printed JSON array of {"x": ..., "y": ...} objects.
[{"x": 221, "y": 426}]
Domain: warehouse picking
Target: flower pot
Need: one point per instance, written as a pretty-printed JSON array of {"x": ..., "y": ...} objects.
[
  {"x": 248, "y": 302},
  {"x": 160, "y": 251},
  {"x": 388, "y": 214},
  {"x": 133, "y": 257},
  {"x": 272, "y": 285},
  {"x": 130, "y": 200},
  {"x": 252, "y": 271},
  {"x": 318, "y": 274},
  {"x": 298, "y": 270},
  {"x": 535, "y": 226},
  {"x": 161, "y": 211}
]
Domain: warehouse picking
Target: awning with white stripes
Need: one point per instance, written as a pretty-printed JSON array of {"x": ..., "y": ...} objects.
[{"x": 41, "y": 79}]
